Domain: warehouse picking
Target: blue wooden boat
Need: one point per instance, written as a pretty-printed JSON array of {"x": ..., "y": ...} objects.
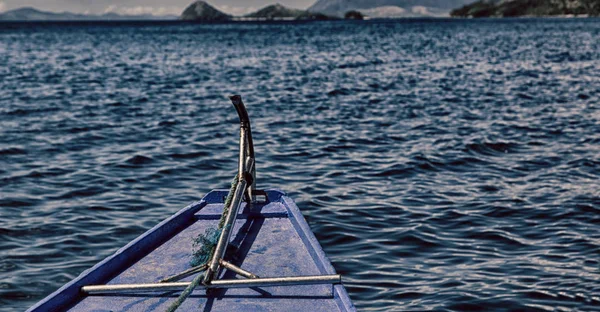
[{"x": 265, "y": 259}]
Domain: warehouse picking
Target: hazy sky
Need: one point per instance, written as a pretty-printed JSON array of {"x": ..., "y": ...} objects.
[{"x": 158, "y": 7}]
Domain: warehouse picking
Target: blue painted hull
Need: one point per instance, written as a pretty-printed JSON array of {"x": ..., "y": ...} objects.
[{"x": 273, "y": 240}]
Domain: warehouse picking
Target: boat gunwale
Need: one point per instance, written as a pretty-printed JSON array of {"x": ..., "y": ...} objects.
[
  {"x": 340, "y": 295},
  {"x": 69, "y": 294}
]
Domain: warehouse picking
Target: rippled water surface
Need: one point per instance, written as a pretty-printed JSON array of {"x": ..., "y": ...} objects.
[{"x": 442, "y": 164}]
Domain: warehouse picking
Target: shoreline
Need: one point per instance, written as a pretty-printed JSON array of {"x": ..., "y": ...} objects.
[
  {"x": 561, "y": 16},
  {"x": 292, "y": 20}
]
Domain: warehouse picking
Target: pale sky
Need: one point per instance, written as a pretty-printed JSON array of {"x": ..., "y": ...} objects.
[{"x": 157, "y": 7}]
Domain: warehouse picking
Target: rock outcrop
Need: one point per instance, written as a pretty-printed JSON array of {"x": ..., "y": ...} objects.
[
  {"x": 354, "y": 15},
  {"x": 203, "y": 12},
  {"x": 514, "y": 8}
]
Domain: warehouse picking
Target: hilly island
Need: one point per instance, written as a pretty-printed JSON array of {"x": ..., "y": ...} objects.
[
  {"x": 515, "y": 8},
  {"x": 199, "y": 11},
  {"x": 331, "y": 9},
  {"x": 202, "y": 11}
]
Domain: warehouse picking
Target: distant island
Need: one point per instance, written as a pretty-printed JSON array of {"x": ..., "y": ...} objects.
[
  {"x": 516, "y": 8},
  {"x": 204, "y": 12},
  {"x": 331, "y": 9},
  {"x": 278, "y": 11},
  {"x": 388, "y": 8},
  {"x": 197, "y": 11},
  {"x": 31, "y": 14}
]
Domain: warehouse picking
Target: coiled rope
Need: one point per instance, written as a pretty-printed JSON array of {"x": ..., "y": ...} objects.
[{"x": 203, "y": 249}]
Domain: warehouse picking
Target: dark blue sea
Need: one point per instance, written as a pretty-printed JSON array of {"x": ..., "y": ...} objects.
[{"x": 447, "y": 165}]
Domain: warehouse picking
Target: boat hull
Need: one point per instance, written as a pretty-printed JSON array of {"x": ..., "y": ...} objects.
[{"x": 270, "y": 239}]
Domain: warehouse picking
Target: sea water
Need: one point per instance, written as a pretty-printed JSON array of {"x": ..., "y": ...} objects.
[{"x": 442, "y": 164}]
